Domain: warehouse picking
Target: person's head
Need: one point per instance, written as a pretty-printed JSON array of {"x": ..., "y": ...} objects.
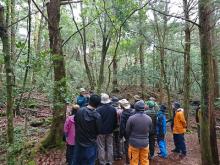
[
  {"x": 139, "y": 105},
  {"x": 91, "y": 92},
  {"x": 82, "y": 91},
  {"x": 196, "y": 104},
  {"x": 124, "y": 104},
  {"x": 105, "y": 98},
  {"x": 75, "y": 108},
  {"x": 150, "y": 104},
  {"x": 94, "y": 100},
  {"x": 152, "y": 99},
  {"x": 163, "y": 108},
  {"x": 176, "y": 105},
  {"x": 114, "y": 101},
  {"x": 136, "y": 98}
]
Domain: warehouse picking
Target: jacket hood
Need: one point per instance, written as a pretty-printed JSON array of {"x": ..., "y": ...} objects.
[{"x": 90, "y": 115}]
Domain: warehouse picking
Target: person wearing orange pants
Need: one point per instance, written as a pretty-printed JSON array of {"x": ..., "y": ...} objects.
[
  {"x": 137, "y": 155},
  {"x": 137, "y": 128}
]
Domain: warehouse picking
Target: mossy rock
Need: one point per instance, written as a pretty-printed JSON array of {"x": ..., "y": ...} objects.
[{"x": 37, "y": 123}]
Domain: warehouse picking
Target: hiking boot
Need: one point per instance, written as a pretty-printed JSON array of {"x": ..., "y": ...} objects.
[
  {"x": 151, "y": 157},
  {"x": 182, "y": 156},
  {"x": 175, "y": 151},
  {"x": 164, "y": 157}
]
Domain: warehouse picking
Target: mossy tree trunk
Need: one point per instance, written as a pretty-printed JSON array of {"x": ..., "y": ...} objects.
[
  {"x": 4, "y": 35},
  {"x": 208, "y": 134},
  {"x": 187, "y": 64},
  {"x": 54, "y": 138},
  {"x": 8, "y": 70},
  {"x": 161, "y": 34}
]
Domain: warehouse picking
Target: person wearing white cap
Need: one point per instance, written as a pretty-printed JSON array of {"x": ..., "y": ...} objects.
[
  {"x": 127, "y": 112},
  {"x": 109, "y": 123},
  {"x": 82, "y": 100}
]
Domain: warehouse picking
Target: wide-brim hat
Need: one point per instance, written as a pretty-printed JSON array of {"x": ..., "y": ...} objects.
[
  {"x": 75, "y": 106},
  {"x": 137, "y": 97},
  {"x": 105, "y": 98},
  {"x": 82, "y": 90},
  {"x": 124, "y": 103}
]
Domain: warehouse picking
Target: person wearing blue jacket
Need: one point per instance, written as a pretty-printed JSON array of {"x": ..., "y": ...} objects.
[
  {"x": 82, "y": 100},
  {"x": 161, "y": 131}
]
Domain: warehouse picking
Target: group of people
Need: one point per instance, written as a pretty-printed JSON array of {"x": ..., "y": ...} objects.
[{"x": 102, "y": 129}]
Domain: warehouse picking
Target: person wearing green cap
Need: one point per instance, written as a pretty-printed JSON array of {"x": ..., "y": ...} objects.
[{"x": 152, "y": 109}]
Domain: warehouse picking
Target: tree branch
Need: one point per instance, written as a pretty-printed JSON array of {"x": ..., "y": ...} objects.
[
  {"x": 23, "y": 18},
  {"x": 40, "y": 10},
  {"x": 69, "y": 2},
  {"x": 78, "y": 31},
  {"x": 177, "y": 51},
  {"x": 175, "y": 16}
]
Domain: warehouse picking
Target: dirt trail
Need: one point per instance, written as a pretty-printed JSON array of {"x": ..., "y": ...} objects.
[{"x": 193, "y": 156}]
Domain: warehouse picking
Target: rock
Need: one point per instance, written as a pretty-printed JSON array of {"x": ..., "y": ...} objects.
[{"x": 37, "y": 123}]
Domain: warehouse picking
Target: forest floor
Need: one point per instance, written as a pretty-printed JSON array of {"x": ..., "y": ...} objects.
[{"x": 38, "y": 121}]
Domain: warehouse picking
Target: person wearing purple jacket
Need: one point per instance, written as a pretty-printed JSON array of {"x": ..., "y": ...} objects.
[{"x": 69, "y": 131}]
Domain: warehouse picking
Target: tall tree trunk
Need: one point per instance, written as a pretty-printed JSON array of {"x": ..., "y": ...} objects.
[
  {"x": 213, "y": 118},
  {"x": 161, "y": 35},
  {"x": 88, "y": 71},
  {"x": 141, "y": 49},
  {"x": 207, "y": 90},
  {"x": 13, "y": 31},
  {"x": 165, "y": 81},
  {"x": 213, "y": 138},
  {"x": 105, "y": 46},
  {"x": 38, "y": 39},
  {"x": 54, "y": 138},
  {"x": 4, "y": 35},
  {"x": 141, "y": 53},
  {"x": 8, "y": 69},
  {"x": 27, "y": 67},
  {"x": 114, "y": 77},
  {"x": 187, "y": 64},
  {"x": 115, "y": 64}
]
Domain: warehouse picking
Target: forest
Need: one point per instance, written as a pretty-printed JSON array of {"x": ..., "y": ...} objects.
[{"x": 49, "y": 49}]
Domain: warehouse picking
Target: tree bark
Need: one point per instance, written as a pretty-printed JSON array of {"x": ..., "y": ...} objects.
[
  {"x": 187, "y": 63},
  {"x": 213, "y": 137},
  {"x": 13, "y": 31},
  {"x": 141, "y": 49},
  {"x": 105, "y": 45},
  {"x": 88, "y": 71},
  {"x": 141, "y": 57},
  {"x": 161, "y": 35},
  {"x": 114, "y": 77},
  {"x": 27, "y": 67},
  {"x": 8, "y": 69},
  {"x": 207, "y": 90},
  {"x": 54, "y": 138}
]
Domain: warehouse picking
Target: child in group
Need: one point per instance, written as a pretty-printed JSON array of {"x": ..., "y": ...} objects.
[
  {"x": 69, "y": 131},
  {"x": 161, "y": 131}
]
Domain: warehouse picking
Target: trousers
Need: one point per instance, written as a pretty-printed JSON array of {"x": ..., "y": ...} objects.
[
  {"x": 105, "y": 148},
  {"x": 138, "y": 155}
]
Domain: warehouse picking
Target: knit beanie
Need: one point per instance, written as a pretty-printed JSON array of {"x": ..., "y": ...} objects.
[
  {"x": 139, "y": 105},
  {"x": 163, "y": 108}
]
